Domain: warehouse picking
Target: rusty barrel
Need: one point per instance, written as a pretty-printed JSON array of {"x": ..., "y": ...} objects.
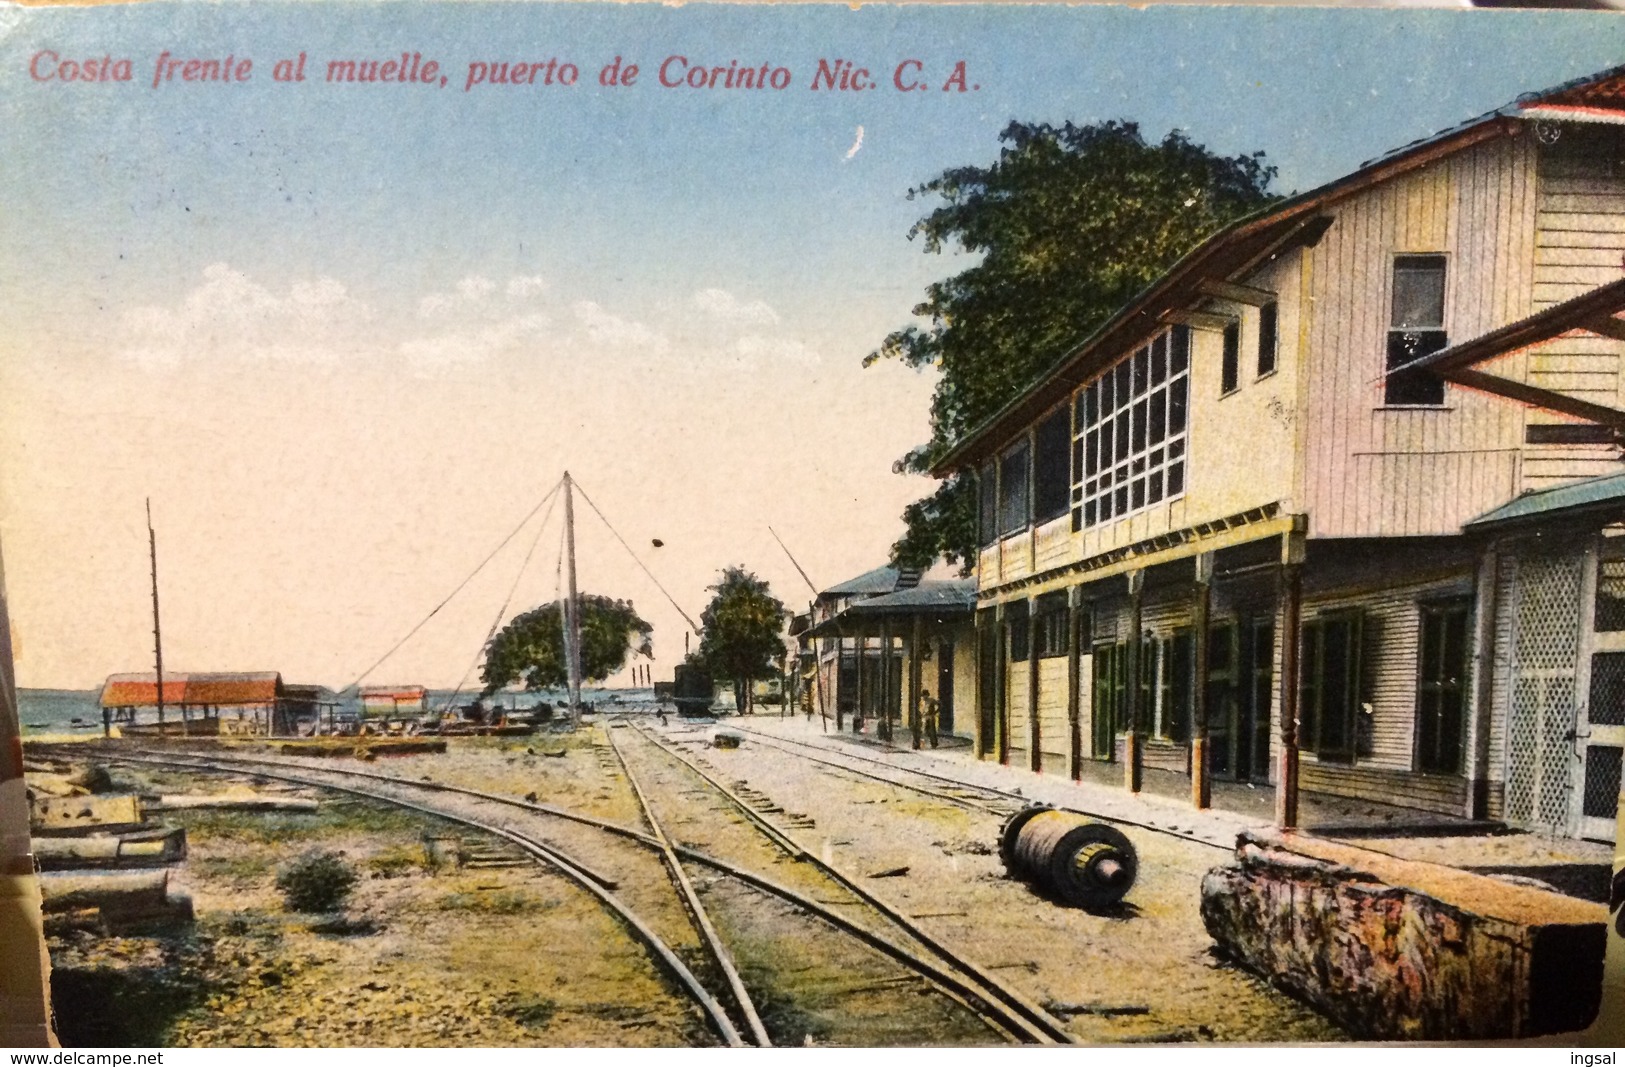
[{"x": 1082, "y": 862}]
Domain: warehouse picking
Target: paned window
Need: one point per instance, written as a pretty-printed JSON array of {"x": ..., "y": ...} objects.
[
  {"x": 1177, "y": 687},
  {"x": 1051, "y": 623},
  {"x": 1330, "y": 687},
  {"x": 1415, "y": 329},
  {"x": 1131, "y": 432},
  {"x": 1441, "y": 688}
]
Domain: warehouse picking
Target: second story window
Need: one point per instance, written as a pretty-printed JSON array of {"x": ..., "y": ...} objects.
[
  {"x": 1416, "y": 329},
  {"x": 987, "y": 509},
  {"x": 1052, "y": 471},
  {"x": 1268, "y": 328},
  {"x": 1230, "y": 366},
  {"x": 1014, "y": 468},
  {"x": 1131, "y": 428}
]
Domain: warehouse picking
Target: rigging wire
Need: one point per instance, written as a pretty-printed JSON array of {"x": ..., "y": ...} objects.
[
  {"x": 692, "y": 625},
  {"x": 484, "y": 645},
  {"x": 436, "y": 609}
]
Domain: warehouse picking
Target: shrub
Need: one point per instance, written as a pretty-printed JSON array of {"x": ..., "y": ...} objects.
[{"x": 316, "y": 881}]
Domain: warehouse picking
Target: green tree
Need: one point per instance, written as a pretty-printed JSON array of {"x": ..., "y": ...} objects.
[
  {"x": 740, "y": 632},
  {"x": 531, "y": 647},
  {"x": 1070, "y": 223}
]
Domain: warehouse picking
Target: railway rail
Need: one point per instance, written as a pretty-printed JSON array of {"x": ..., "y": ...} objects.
[
  {"x": 1000, "y": 802},
  {"x": 1001, "y": 1009}
]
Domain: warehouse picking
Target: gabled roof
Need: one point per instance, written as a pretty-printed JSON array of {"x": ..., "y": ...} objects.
[
  {"x": 1594, "y": 494},
  {"x": 879, "y": 580},
  {"x": 218, "y": 688},
  {"x": 1298, "y": 219},
  {"x": 945, "y": 597}
]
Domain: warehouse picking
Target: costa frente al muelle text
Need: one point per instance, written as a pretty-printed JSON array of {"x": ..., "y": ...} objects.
[{"x": 176, "y": 70}]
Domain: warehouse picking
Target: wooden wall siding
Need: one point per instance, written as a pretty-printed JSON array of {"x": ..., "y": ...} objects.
[
  {"x": 1016, "y": 707},
  {"x": 1364, "y": 461},
  {"x": 1428, "y": 792},
  {"x": 1054, "y": 735},
  {"x": 1579, "y": 245},
  {"x": 1016, "y": 556},
  {"x": 965, "y": 688},
  {"x": 1420, "y": 492},
  {"x": 1052, "y": 543},
  {"x": 1173, "y": 756},
  {"x": 987, "y": 567},
  {"x": 1550, "y": 465}
]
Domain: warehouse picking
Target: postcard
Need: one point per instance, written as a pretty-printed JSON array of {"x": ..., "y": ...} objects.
[{"x": 919, "y": 526}]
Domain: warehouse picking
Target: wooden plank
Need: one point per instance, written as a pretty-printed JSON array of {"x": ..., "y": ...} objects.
[
  {"x": 1613, "y": 239},
  {"x": 1577, "y": 255},
  {"x": 1548, "y": 220},
  {"x": 1583, "y": 203}
]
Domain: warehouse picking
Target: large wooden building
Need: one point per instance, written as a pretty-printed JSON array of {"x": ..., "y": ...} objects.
[{"x": 1382, "y": 418}]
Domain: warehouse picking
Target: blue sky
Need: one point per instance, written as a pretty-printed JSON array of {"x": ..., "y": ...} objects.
[{"x": 312, "y": 321}]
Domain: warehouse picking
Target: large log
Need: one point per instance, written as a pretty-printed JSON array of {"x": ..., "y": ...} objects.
[
  {"x": 230, "y": 802},
  {"x": 1398, "y": 949},
  {"x": 55, "y": 815},
  {"x": 112, "y": 892},
  {"x": 131, "y": 850}
]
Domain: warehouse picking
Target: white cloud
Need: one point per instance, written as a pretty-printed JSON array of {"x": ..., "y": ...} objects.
[
  {"x": 231, "y": 315},
  {"x": 757, "y": 349},
  {"x": 475, "y": 345},
  {"x": 725, "y": 307},
  {"x": 611, "y": 331},
  {"x": 523, "y": 287},
  {"x": 469, "y": 293}
]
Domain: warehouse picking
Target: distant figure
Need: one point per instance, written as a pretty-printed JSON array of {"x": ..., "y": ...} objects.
[
  {"x": 660, "y": 713},
  {"x": 929, "y": 709}
]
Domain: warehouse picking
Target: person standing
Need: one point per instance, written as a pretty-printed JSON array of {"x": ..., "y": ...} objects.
[{"x": 929, "y": 709}]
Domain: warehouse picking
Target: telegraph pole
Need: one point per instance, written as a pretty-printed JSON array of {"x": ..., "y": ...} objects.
[
  {"x": 572, "y": 608},
  {"x": 157, "y": 634}
]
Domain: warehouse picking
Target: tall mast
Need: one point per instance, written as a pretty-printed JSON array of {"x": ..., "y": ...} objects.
[
  {"x": 157, "y": 634},
  {"x": 572, "y": 606}
]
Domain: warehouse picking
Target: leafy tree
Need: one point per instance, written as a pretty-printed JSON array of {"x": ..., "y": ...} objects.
[
  {"x": 740, "y": 632},
  {"x": 531, "y": 647},
  {"x": 1070, "y": 222}
]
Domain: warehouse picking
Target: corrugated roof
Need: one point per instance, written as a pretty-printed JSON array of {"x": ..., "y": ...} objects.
[
  {"x": 1603, "y": 492},
  {"x": 879, "y": 580},
  {"x": 945, "y": 596},
  {"x": 224, "y": 688},
  {"x": 392, "y": 692},
  {"x": 936, "y": 599},
  {"x": 1231, "y": 248}
]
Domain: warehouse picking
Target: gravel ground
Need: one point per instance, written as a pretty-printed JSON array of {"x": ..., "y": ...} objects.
[
  {"x": 1141, "y": 974},
  {"x": 518, "y": 956}
]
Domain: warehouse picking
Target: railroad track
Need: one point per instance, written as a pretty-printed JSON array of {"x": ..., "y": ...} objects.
[
  {"x": 1000, "y": 802},
  {"x": 996, "y": 1007},
  {"x": 1035, "y": 1025}
]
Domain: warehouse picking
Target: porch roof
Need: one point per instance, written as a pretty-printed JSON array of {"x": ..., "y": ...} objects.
[
  {"x": 1593, "y": 494},
  {"x": 934, "y": 600}
]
